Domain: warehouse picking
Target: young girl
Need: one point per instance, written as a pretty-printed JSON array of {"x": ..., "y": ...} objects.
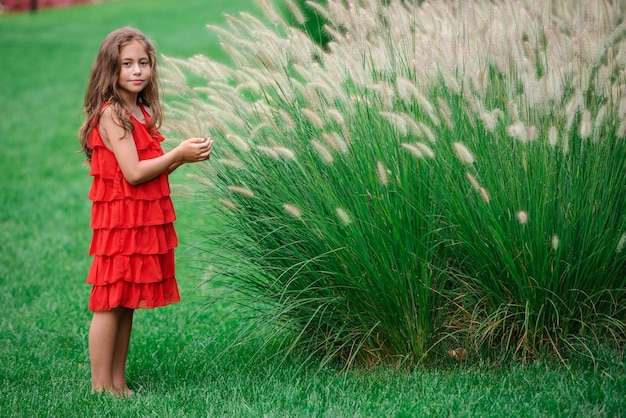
[{"x": 132, "y": 214}]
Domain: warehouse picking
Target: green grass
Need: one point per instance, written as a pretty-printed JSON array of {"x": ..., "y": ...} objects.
[{"x": 181, "y": 362}]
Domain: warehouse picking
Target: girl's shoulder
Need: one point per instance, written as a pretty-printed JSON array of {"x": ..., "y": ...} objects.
[
  {"x": 108, "y": 107},
  {"x": 112, "y": 111}
]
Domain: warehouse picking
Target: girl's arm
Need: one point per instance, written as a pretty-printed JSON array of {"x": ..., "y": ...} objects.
[
  {"x": 173, "y": 167},
  {"x": 135, "y": 172}
]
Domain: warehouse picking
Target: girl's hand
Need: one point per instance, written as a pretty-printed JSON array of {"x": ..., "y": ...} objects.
[{"x": 193, "y": 150}]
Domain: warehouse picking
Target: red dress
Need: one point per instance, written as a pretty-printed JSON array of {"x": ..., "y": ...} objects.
[{"x": 133, "y": 232}]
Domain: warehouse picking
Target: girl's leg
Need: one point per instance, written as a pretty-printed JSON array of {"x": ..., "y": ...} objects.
[
  {"x": 102, "y": 336},
  {"x": 120, "y": 352}
]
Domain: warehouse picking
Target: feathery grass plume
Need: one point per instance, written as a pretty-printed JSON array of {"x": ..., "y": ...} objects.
[
  {"x": 397, "y": 121},
  {"x": 489, "y": 121},
  {"x": 555, "y": 242},
  {"x": 287, "y": 119},
  {"x": 445, "y": 112},
  {"x": 599, "y": 122},
  {"x": 522, "y": 217},
  {"x": 201, "y": 180},
  {"x": 296, "y": 11},
  {"x": 426, "y": 106},
  {"x": 227, "y": 203},
  {"x": 335, "y": 141},
  {"x": 322, "y": 151},
  {"x": 427, "y": 132},
  {"x": 268, "y": 151},
  {"x": 343, "y": 216},
  {"x": 293, "y": 210},
  {"x": 231, "y": 162},
  {"x": 424, "y": 149},
  {"x": 384, "y": 92},
  {"x": 518, "y": 131},
  {"x": 319, "y": 9},
  {"x": 621, "y": 243},
  {"x": 243, "y": 191},
  {"x": 270, "y": 11},
  {"x": 572, "y": 108},
  {"x": 585, "y": 124},
  {"x": 315, "y": 119},
  {"x": 336, "y": 116},
  {"x": 473, "y": 181},
  {"x": 284, "y": 152},
  {"x": 413, "y": 150},
  {"x": 383, "y": 173},
  {"x": 406, "y": 89},
  {"x": 482, "y": 192},
  {"x": 464, "y": 155},
  {"x": 565, "y": 143},
  {"x": 621, "y": 110},
  {"x": 553, "y": 136}
]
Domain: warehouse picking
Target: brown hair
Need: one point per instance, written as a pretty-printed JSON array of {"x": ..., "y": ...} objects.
[{"x": 103, "y": 88}]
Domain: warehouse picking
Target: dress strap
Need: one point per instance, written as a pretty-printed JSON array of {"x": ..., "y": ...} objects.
[{"x": 146, "y": 115}]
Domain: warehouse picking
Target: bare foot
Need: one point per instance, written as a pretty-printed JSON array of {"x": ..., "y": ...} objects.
[
  {"x": 118, "y": 392},
  {"x": 124, "y": 391}
]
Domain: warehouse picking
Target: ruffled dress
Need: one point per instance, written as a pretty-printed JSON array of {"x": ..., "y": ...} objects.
[{"x": 133, "y": 237}]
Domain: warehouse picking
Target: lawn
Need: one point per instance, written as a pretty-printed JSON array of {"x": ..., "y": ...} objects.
[{"x": 181, "y": 362}]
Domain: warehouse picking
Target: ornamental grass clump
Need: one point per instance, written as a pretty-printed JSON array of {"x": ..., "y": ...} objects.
[{"x": 442, "y": 175}]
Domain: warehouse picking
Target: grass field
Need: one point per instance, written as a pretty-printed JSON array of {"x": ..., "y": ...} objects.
[{"x": 180, "y": 363}]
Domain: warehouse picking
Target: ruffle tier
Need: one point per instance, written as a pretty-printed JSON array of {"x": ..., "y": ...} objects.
[
  {"x": 104, "y": 189},
  {"x": 130, "y": 213},
  {"x": 153, "y": 239},
  {"x": 135, "y": 268},
  {"x": 133, "y": 295}
]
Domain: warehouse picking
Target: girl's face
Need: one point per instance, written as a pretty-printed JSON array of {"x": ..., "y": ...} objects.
[{"x": 135, "y": 71}]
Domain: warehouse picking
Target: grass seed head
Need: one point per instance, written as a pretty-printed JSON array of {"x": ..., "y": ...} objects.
[
  {"x": 621, "y": 243},
  {"x": 585, "y": 124},
  {"x": 343, "y": 216},
  {"x": 322, "y": 151},
  {"x": 243, "y": 191},
  {"x": 336, "y": 115},
  {"x": 553, "y": 136},
  {"x": 555, "y": 242},
  {"x": 238, "y": 142},
  {"x": 296, "y": 12},
  {"x": 383, "y": 173},
  {"x": 518, "y": 131},
  {"x": 227, "y": 203},
  {"x": 445, "y": 112},
  {"x": 284, "y": 152},
  {"x": 293, "y": 210},
  {"x": 484, "y": 194},
  {"x": 268, "y": 151},
  {"x": 397, "y": 121},
  {"x": 600, "y": 116},
  {"x": 233, "y": 163},
  {"x": 315, "y": 119},
  {"x": 464, "y": 154},
  {"x": 522, "y": 217},
  {"x": 413, "y": 150},
  {"x": 425, "y": 149},
  {"x": 490, "y": 120}
]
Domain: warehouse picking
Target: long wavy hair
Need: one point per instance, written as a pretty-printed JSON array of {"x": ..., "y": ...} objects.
[{"x": 103, "y": 85}]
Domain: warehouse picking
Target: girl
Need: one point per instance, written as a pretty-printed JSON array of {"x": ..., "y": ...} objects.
[{"x": 132, "y": 214}]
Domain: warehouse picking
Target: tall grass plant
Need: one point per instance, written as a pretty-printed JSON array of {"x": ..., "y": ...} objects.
[{"x": 444, "y": 175}]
